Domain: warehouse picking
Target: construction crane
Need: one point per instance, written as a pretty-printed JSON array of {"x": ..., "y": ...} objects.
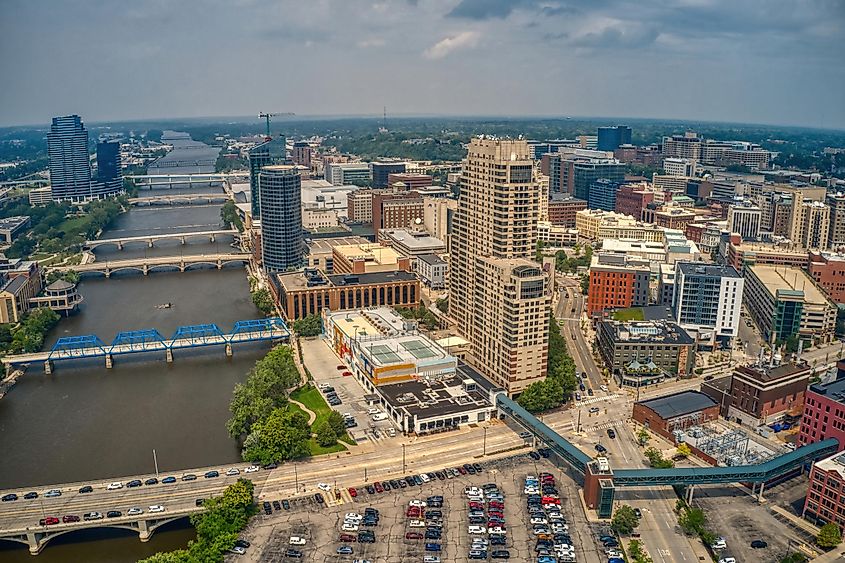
[{"x": 267, "y": 116}]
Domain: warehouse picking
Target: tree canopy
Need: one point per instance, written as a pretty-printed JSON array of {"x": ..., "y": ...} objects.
[
  {"x": 829, "y": 536},
  {"x": 282, "y": 436},
  {"x": 560, "y": 381},
  {"x": 312, "y": 325},
  {"x": 624, "y": 520}
]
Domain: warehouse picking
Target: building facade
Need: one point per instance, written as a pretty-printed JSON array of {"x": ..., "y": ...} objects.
[
  {"x": 617, "y": 281},
  {"x": 745, "y": 220},
  {"x": 828, "y": 270},
  {"x": 432, "y": 270},
  {"x": 602, "y": 194},
  {"x": 664, "y": 343},
  {"x": 763, "y": 394},
  {"x": 610, "y": 138},
  {"x": 708, "y": 300},
  {"x": 380, "y": 171},
  {"x": 562, "y": 208},
  {"x": 497, "y": 296},
  {"x": 824, "y": 413},
  {"x": 279, "y": 192},
  {"x": 268, "y": 153},
  {"x": 109, "y": 168}
]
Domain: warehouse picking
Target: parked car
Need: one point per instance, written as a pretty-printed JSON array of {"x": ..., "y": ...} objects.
[
  {"x": 70, "y": 518},
  {"x": 10, "y": 497},
  {"x": 48, "y": 521}
]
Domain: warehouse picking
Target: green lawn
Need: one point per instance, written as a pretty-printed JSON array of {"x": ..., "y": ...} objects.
[
  {"x": 311, "y": 398},
  {"x": 633, "y": 314}
]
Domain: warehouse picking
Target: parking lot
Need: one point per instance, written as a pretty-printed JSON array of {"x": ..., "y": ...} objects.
[
  {"x": 734, "y": 515},
  {"x": 324, "y": 367},
  {"x": 321, "y": 525}
]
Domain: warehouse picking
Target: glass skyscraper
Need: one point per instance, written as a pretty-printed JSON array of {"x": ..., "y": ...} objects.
[
  {"x": 109, "y": 175},
  {"x": 266, "y": 154},
  {"x": 280, "y": 198},
  {"x": 70, "y": 168}
]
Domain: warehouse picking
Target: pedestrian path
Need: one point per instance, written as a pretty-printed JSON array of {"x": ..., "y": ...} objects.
[
  {"x": 593, "y": 400},
  {"x": 311, "y": 415}
]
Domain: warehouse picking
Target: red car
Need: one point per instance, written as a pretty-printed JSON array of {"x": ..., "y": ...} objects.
[
  {"x": 497, "y": 506},
  {"x": 413, "y": 512},
  {"x": 346, "y": 373},
  {"x": 477, "y": 506},
  {"x": 352, "y": 492},
  {"x": 379, "y": 488},
  {"x": 348, "y": 538},
  {"x": 48, "y": 521},
  {"x": 462, "y": 471},
  {"x": 341, "y": 368},
  {"x": 496, "y": 513},
  {"x": 413, "y": 536},
  {"x": 70, "y": 518}
]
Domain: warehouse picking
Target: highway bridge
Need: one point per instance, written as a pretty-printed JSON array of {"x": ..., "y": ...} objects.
[
  {"x": 179, "y": 199},
  {"x": 148, "y": 264},
  {"x": 162, "y": 181},
  {"x": 151, "y": 340},
  {"x": 120, "y": 242}
]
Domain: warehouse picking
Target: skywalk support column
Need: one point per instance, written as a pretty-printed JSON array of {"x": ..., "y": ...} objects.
[
  {"x": 109, "y": 361},
  {"x": 168, "y": 354},
  {"x": 48, "y": 367}
]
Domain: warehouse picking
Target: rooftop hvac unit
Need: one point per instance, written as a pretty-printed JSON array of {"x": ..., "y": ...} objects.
[{"x": 469, "y": 385}]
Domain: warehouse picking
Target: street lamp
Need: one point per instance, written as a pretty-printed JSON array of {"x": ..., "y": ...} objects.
[
  {"x": 155, "y": 462},
  {"x": 484, "y": 451},
  {"x": 403, "y": 458}
]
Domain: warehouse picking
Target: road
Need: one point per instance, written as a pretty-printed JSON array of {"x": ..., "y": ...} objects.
[{"x": 569, "y": 311}]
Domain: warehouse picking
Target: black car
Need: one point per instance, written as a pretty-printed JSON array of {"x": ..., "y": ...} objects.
[
  {"x": 189, "y": 477},
  {"x": 272, "y": 465},
  {"x": 534, "y": 455},
  {"x": 638, "y": 512},
  {"x": 477, "y": 467},
  {"x": 501, "y": 554},
  {"x": 394, "y": 483},
  {"x": 266, "y": 505},
  {"x": 242, "y": 543},
  {"x": 151, "y": 481},
  {"x": 371, "y": 510},
  {"x": 498, "y": 540},
  {"x": 10, "y": 496},
  {"x": 759, "y": 544},
  {"x": 469, "y": 469},
  {"x": 434, "y": 514},
  {"x": 286, "y": 504},
  {"x": 86, "y": 489},
  {"x": 386, "y": 485},
  {"x": 319, "y": 498},
  {"x": 545, "y": 452},
  {"x": 611, "y": 433},
  {"x": 366, "y": 537},
  {"x": 417, "y": 480},
  {"x": 440, "y": 475},
  {"x": 199, "y": 502},
  {"x": 211, "y": 474},
  {"x": 402, "y": 483},
  {"x": 295, "y": 553},
  {"x": 134, "y": 483},
  {"x": 371, "y": 489},
  {"x": 410, "y": 481},
  {"x": 277, "y": 505},
  {"x": 601, "y": 449},
  {"x": 433, "y": 534},
  {"x": 114, "y": 514},
  {"x": 30, "y": 495}
]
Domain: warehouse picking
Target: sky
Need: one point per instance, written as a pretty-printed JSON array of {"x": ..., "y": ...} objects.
[{"x": 749, "y": 61}]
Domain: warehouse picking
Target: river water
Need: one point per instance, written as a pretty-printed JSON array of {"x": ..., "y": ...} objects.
[{"x": 85, "y": 422}]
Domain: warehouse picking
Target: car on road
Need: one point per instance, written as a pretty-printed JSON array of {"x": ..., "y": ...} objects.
[
  {"x": 151, "y": 481},
  {"x": 344, "y": 550},
  {"x": 759, "y": 544},
  {"x": 352, "y": 492},
  {"x": 272, "y": 465},
  {"x": 346, "y": 373},
  {"x": 134, "y": 483},
  {"x": 48, "y": 521},
  {"x": 168, "y": 480},
  {"x": 114, "y": 514},
  {"x": 67, "y": 519},
  {"x": 611, "y": 433},
  {"x": 296, "y": 540},
  {"x": 601, "y": 449},
  {"x": 86, "y": 489},
  {"x": 156, "y": 508},
  {"x": 9, "y": 497},
  {"x": 340, "y": 367},
  {"x": 114, "y": 486},
  {"x": 53, "y": 493},
  {"x": 92, "y": 516},
  {"x": 727, "y": 560},
  {"x": 251, "y": 469},
  {"x": 594, "y": 410},
  {"x": 604, "y": 388},
  {"x": 577, "y": 396},
  {"x": 639, "y": 513},
  {"x": 590, "y": 392},
  {"x": 294, "y": 553},
  {"x": 211, "y": 474},
  {"x": 134, "y": 511},
  {"x": 233, "y": 471},
  {"x": 189, "y": 477}
]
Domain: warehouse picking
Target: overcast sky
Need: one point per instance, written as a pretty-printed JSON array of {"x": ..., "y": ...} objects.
[{"x": 757, "y": 61}]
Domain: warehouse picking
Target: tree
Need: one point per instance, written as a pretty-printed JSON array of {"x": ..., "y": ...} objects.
[
  {"x": 229, "y": 215},
  {"x": 692, "y": 521},
  {"x": 262, "y": 299},
  {"x": 684, "y": 449},
  {"x": 643, "y": 437},
  {"x": 624, "y": 520},
  {"x": 325, "y": 434},
  {"x": 637, "y": 553},
  {"x": 585, "y": 284},
  {"x": 796, "y": 557},
  {"x": 829, "y": 536},
  {"x": 312, "y": 325},
  {"x": 541, "y": 396},
  {"x": 657, "y": 460},
  {"x": 336, "y": 422},
  {"x": 283, "y": 435},
  {"x": 443, "y": 304}
]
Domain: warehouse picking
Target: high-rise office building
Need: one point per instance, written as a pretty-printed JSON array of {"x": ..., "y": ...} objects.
[
  {"x": 268, "y": 153},
  {"x": 301, "y": 153},
  {"x": 497, "y": 295},
  {"x": 70, "y": 168},
  {"x": 745, "y": 218},
  {"x": 610, "y": 138},
  {"x": 379, "y": 171},
  {"x": 602, "y": 194},
  {"x": 708, "y": 300},
  {"x": 280, "y": 197},
  {"x": 109, "y": 173},
  {"x": 836, "y": 233}
]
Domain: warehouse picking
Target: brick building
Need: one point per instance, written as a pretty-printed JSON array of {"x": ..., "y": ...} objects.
[
  {"x": 824, "y": 413},
  {"x": 825, "y": 500},
  {"x": 397, "y": 210},
  {"x": 631, "y": 199},
  {"x": 829, "y": 272},
  {"x": 411, "y": 181},
  {"x": 763, "y": 394},
  {"x": 617, "y": 281},
  {"x": 663, "y": 415},
  {"x": 562, "y": 209}
]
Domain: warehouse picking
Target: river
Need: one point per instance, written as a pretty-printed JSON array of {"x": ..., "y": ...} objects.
[{"x": 88, "y": 423}]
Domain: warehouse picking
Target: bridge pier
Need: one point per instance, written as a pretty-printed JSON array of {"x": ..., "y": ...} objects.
[
  {"x": 34, "y": 543},
  {"x": 182, "y": 240},
  {"x": 144, "y": 531},
  {"x": 228, "y": 349},
  {"x": 120, "y": 245},
  {"x": 146, "y": 269},
  {"x": 168, "y": 355},
  {"x": 219, "y": 264},
  {"x": 150, "y": 243},
  {"x": 48, "y": 367},
  {"x": 109, "y": 361},
  {"x": 689, "y": 494},
  {"x": 212, "y": 238}
]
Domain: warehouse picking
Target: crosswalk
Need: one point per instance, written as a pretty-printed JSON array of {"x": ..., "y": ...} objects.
[{"x": 593, "y": 400}]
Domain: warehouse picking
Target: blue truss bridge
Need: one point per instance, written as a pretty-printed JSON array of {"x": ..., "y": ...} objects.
[{"x": 151, "y": 340}]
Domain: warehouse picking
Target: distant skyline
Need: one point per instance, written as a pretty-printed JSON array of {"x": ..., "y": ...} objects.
[{"x": 693, "y": 60}]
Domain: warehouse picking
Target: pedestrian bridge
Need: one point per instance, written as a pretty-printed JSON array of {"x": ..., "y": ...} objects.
[
  {"x": 120, "y": 242},
  {"x": 151, "y": 181},
  {"x": 151, "y": 340},
  {"x": 178, "y": 199},
  {"x": 147, "y": 264}
]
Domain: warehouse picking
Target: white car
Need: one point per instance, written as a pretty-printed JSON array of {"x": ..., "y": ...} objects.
[
  {"x": 425, "y": 478},
  {"x": 251, "y": 469},
  {"x": 233, "y": 471},
  {"x": 349, "y": 527},
  {"x": 727, "y": 560},
  {"x": 473, "y": 491},
  {"x": 156, "y": 508},
  {"x": 114, "y": 486},
  {"x": 379, "y": 416},
  {"x": 134, "y": 511},
  {"x": 538, "y": 520},
  {"x": 477, "y": 530},
  {"x": 417, "y": 502},
  {"x": 604, "y": 388},
  {"x": 497, "y": 530},
  {"x": 353, "y": 516},
  {"x": 324, "y": 487},
  {"x": 720, "y": 543},
  {"x": 373, "y": 410},
  {"x": 417, "y": 524},
  {"x": 296, "y": 540},
  {"x": 237, "y": 550}
]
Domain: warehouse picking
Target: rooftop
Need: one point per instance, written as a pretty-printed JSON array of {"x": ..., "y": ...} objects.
[
  {"x": 325, "y": 245},
  {"x": 11, "y": 223},
  {"x": 437, "y": 398},
  {"x": 764, "y": 373},
  {"x": 369, "y": 252},
  {"x": 431, "y": 259},
  {"x": 413, "y": 240},
  {"x": 311, "y": 277},
  {"x": 679, "y": 404},
  {"x": 788, "y": 278},
  {"x": 648, "y": 332},
  {"x": 698, "y": 268},
  {"x": 834, "y": 390},
  {"x": 403, "y": 349}
]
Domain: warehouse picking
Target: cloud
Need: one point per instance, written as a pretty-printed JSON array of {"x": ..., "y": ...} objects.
[
  {"x": 371, "y": 42},
  {"x": 617, "y": 36},
  {"x": 463, "y": 40},
  {"x": 484, "y": 9}
]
